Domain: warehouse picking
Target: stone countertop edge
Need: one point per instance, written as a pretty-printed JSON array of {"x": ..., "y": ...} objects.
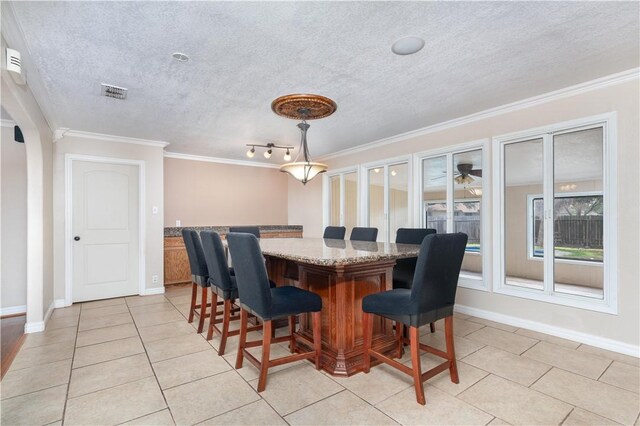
[
  {"x": 339, "y": 262},
  {"x": 175, "y": 231}
]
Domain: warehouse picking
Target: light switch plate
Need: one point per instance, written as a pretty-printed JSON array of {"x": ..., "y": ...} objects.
[
  {"x": 154, "y": 210},
  {"x": 178, "y": 223}
]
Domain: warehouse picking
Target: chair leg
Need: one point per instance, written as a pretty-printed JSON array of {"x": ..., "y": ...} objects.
[
  {"x": 212, "y": 318},
  {"x": 226, "y": 319},
  {"x": 242, "y": 340},
  {"x": 453, "y": 366},
  {"x": 367, "y": 332},
  {"x": 292, "y": 329},
  {"x": 203, "y": 309},
  {"x": 414, "y": 338},
  {"x": 266, "y": 348},
  {"x": 317, "y": 338},
  {"x": 399, "y": 338},
  {"x": 194, "y": 295},
  {"x": 432, "y": 327}
]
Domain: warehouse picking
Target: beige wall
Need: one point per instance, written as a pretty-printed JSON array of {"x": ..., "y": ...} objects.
[
  {"x": 622, "y": 98},
  {"x": 153, "y": 159},
  {"x": 305, "y": 206},
  {"x": 14, "y": 220},
  {"x": 200, "y": 193}
]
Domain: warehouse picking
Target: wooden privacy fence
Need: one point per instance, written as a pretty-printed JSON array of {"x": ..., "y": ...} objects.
[
  {"x": 470, "y": 225},
  {"x": 581, "y": 232}
]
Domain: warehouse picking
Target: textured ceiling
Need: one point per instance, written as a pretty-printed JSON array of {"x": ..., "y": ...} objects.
[{"x": 477, "y": 55}]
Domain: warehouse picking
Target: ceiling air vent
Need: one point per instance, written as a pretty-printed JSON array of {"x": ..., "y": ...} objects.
[{"x": 111, "y": 91}]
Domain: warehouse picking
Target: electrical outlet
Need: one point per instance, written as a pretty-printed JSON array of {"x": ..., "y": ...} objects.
[
  {"x": 178, "y": 222},
  {"x": 154, "y": 279}
]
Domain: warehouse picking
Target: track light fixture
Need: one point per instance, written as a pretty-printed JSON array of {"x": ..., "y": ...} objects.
[{"x": 270, "y": 147}]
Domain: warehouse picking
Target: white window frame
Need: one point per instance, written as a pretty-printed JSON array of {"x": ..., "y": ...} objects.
[
  {"x": 530, "y": 255},
  {"x": 364, "y": 192},
  {"x": 326, "y": 194},
  {"x": 609, "y": 302},
  {"x": 485, "y": 234}
]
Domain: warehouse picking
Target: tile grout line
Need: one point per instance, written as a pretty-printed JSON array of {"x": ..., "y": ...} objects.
[
  {"x": 604, "y": 371},
  {"x": 567, "y": 416},
  {"x": 73, "y": 358},
  {"x": 164, "y": 398}
]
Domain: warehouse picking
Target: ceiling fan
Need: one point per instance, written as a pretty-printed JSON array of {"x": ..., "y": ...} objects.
[{"x": 464, "y": 173}]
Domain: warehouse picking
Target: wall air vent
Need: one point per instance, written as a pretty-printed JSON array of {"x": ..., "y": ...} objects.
[{"x": 111, "y": 91}]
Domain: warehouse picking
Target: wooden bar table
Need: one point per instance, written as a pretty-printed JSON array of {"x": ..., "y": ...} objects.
[{"x": 342, "y": 273}]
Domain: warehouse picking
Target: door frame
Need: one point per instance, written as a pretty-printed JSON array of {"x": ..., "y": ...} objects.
[{"x": 68, "y": 218}]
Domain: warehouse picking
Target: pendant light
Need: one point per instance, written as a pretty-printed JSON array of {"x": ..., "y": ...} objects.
[{"x": 303, "y": 107}]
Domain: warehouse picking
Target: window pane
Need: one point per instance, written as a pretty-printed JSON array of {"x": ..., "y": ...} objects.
[
  {"x": 350, "y": 201},
  {"x": 334, "y": 200},
  {"x": 434, "y": 193},
  {"x": 578, "y": 213},
  {"x": 376, "y": 199},
  {"x": 398, "y": 198},
  {"x": 523, "y": 171},
  {"x": 467, "y": 203}
]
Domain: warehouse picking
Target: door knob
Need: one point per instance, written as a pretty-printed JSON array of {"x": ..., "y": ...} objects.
[{"x": 76, "y": 238}]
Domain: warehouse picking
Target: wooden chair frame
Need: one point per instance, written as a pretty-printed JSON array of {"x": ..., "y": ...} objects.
[
  {"x": 228, "y": 311},
  {"x": 265, "y": 363},
  {"x": 202, "y": 306},
  {"x": 414, "y": 341}
]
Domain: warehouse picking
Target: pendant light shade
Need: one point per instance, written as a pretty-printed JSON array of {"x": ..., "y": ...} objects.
[{"x": 305, "y": 170}]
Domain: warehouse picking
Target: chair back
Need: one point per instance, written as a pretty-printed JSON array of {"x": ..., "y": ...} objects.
[
  {"x": 436, "y": 277},
  {"x": 216, "y": 260},
  {"x": 364, "y": 234},
  {"x": 412, "y": 235},
  {"x": 251, "y": 274},
  {"x": 197, "y": 262},
  {"x": 253, "y": 230},
  {"x": 334, "y": 232}
]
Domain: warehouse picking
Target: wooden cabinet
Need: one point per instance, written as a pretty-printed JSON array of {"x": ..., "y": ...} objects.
[{"x": 176, "y": 262}]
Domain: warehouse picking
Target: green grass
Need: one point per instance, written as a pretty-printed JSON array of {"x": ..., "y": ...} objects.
[{"x": 573, "y": 253}]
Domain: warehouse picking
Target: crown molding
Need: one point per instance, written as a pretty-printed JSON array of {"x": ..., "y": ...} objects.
[
  {"x": 7, "y": 123},
  {"x": 14, "y": 36},
  {"x": 610, "y": 80},
  {"x": 219, "y": 160},
  {"x": 62, "y": 132}
]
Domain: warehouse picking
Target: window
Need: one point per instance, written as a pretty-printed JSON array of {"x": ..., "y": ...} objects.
[
  {"x": 451, "y": 199},
  {"x": 387, "y": 205},
  {"x": 578, "y": 228},
  {"x": 554, "y": 194},
  {"x": 341, "y": 207}
]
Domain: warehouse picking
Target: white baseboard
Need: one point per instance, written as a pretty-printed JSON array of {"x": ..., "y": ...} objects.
[
  {"x": 565, "y": 333},
  {"x": 12, "y": 310},
  {"x": 60, "y": 303},
  {"x": 47, "y": 316},
  {"x": 34, "y": 327},
  {"x": 154, "y": 290}
]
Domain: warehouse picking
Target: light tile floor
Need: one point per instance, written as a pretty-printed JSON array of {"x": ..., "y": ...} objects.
[{"x": 136, "y": 360}]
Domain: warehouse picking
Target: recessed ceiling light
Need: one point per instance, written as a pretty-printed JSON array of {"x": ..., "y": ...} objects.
[
  {"x": 180, "y": 57},
  {"x": 407, "y": 45}
]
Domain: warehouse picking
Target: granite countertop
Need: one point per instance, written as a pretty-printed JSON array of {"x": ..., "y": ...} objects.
[
  {"x": 175, "y": 231},
  {"x": 328, "y": 252}
]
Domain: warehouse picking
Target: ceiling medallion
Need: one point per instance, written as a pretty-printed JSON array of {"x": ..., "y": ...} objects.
[{"x": 303, "y": 106}]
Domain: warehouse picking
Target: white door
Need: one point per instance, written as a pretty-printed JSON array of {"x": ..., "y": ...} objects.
[{"x": 105, "y": 237}]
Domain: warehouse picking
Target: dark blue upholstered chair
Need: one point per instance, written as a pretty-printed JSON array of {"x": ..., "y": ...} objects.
[
  {"x": 253, "y": 230},
  {"x": 404, "y": 269},
  {"x": 223, "y": 285},
  {"x": 364, "y": 234},
  {"x": 268, "y": 304},
  {"x": 431, "y": 297},
  {"x": 334, "y": 232},
  {"x": 199, "y": 275}
]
